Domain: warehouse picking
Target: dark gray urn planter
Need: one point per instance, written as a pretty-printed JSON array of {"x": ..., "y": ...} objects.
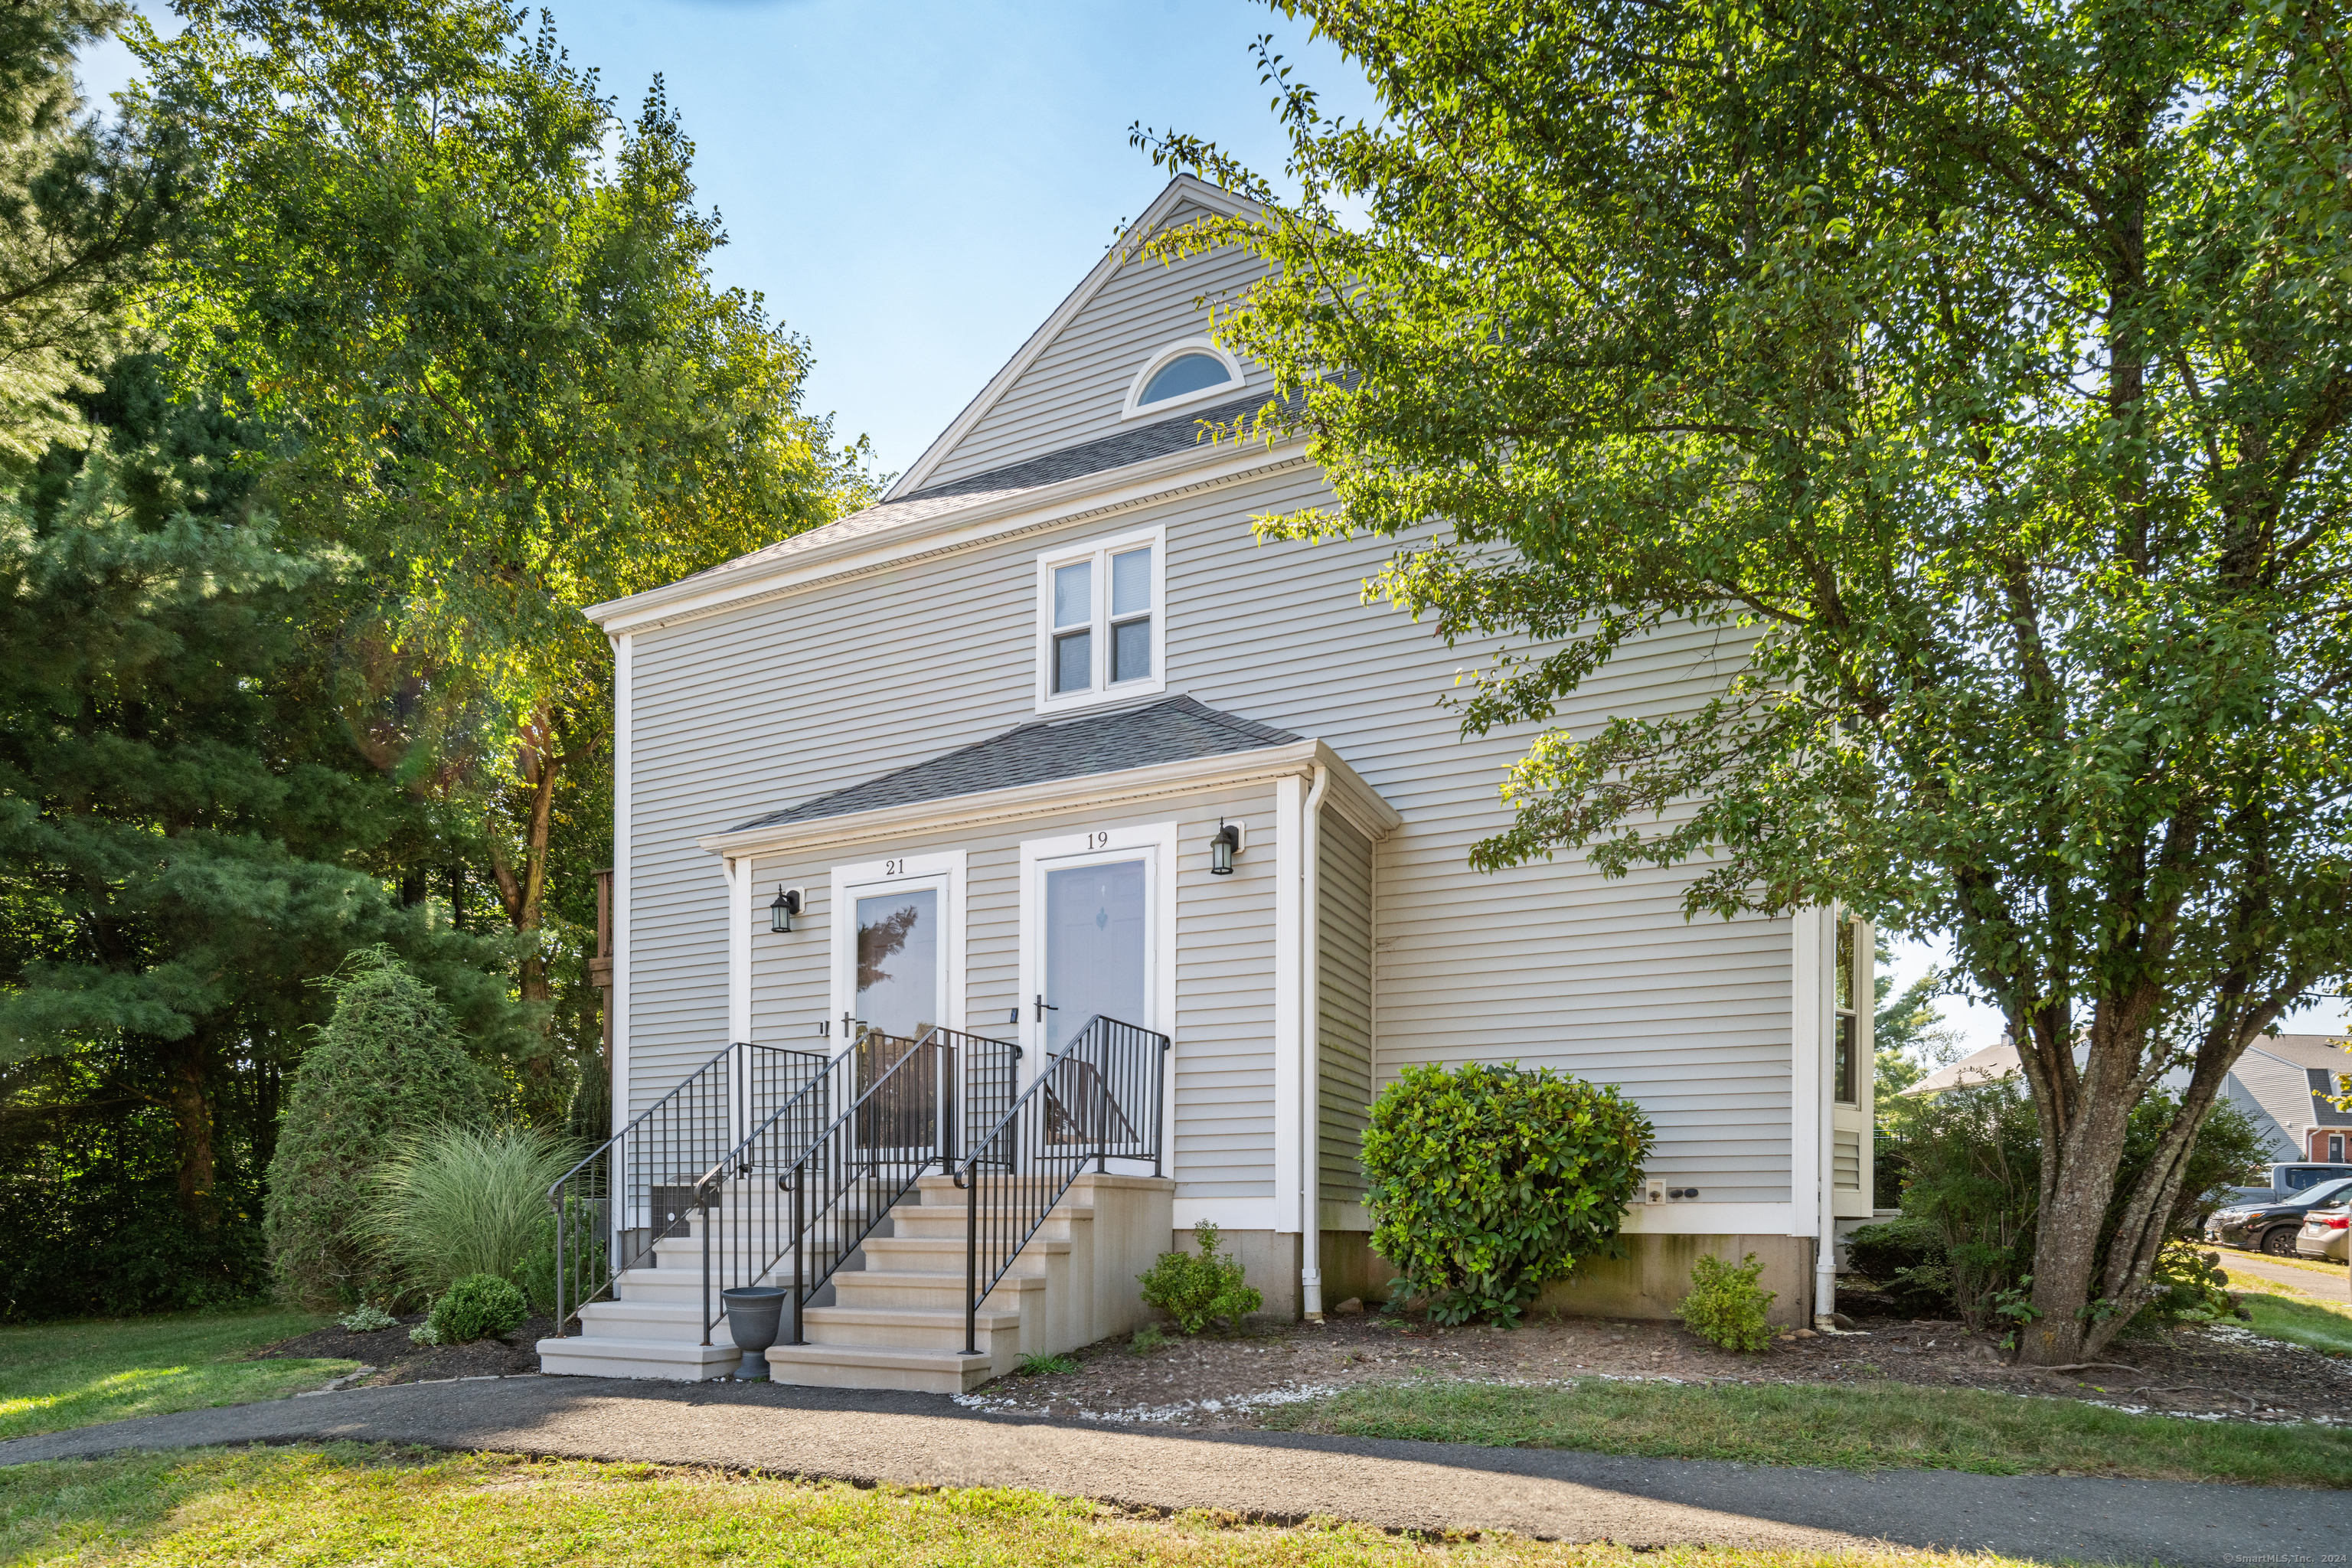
[{"x": 753, "y": 1314}]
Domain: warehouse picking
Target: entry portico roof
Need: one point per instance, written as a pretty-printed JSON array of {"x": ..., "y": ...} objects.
[{"x": 1174, "y": 730}]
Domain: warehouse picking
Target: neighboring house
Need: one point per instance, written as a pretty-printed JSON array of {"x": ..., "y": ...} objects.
[
  {"x": 1047, "y": 734},
  {"x": 2284, "y": 1082}
]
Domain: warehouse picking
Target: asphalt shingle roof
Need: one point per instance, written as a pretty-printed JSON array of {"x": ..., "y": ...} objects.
[
  {"x": 1144, "y": 442},
  {"x": 1173, "y": 730}
]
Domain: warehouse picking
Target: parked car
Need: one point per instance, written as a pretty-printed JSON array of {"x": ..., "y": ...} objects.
[
  {"x": 2326, "y": 1232},
  {"x": 2275, "y": 1226},
  {"x": 2289, "y": 1179}
]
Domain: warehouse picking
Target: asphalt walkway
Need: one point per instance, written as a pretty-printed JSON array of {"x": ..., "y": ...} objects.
[{"x": 927, "y": 1439}]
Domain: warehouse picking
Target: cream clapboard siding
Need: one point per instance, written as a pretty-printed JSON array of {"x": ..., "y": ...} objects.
[
  {"x": 1077, "y": 388},
  {"x": 1343, "y": 1005},
  {"x": 1549, "y": 964},
  {"x": 1223, "y": 1015}
]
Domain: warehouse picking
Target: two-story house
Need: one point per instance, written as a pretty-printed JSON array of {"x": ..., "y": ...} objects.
[{"x": 1046, "y": 736}]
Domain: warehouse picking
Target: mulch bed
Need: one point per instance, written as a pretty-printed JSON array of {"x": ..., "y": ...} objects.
[
  {"x": 394, "y": 1358},
  {"x": 2216, "y": 1370}
]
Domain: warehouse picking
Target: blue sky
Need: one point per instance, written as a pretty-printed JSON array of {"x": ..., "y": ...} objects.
[{"x": 915, "y": 187}]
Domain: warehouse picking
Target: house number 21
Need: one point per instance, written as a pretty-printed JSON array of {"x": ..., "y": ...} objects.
[{"x": 893, "y": 868}]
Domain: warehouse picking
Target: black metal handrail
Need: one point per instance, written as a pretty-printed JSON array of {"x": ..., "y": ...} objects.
[
  {"x": 1101, "y": 1098},
  {"x": 855, "y": 1139},
  {"x": 638, "y": 1185}
]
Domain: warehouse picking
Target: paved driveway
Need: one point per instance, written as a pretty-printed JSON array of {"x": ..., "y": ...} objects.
[{"x": 928, "y": 1440}]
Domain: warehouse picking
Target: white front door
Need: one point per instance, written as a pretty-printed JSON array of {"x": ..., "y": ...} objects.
[{"x": 1097, "y": 919}]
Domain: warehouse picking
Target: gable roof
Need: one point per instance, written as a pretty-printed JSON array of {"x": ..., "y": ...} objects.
[
  {"x": 1174, "y": 730},
  {"x": 1184, "y": 188}
]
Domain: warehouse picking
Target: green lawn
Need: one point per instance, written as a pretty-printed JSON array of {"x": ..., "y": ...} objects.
[
  {"x": 2304, "y": 1319},
  {"x": 75, "y": 1374},
  {"x": 347, "y": 1504},
  {"x": 1890, "y": 1425}
]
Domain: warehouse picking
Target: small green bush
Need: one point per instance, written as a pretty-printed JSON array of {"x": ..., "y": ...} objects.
[
  {"x": 1726, "y": 1304},
  {"x": 387, "y": 1065},
  {"x": 477, "y": 1307},
  {"x": 1487, "y": 1182},
  {"x": 1197, "y": 1289},
  {"x": 1904, "y": 1257},
  {"x": 367, "y": 1318},
  {"x": 465, "y": 1200},
  {"x": 583, "y": 1262}
]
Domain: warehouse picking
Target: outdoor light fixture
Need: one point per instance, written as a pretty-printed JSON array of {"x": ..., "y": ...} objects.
[
  {"x": 1223, "y": 847},
  {"x": 787, "y": 905}
]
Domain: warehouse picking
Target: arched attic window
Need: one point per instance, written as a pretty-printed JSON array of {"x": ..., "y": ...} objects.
[{"x": 1181, "y": 373}]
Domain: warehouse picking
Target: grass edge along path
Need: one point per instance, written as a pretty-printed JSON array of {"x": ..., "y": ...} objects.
[
  {"x": 1869, "y": 1426},
  {"x": 55, "y": 1376},
  {"x": 353, "y": 1503}
]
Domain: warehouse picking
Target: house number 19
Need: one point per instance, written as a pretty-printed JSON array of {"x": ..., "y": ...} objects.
[{"x": 1097, "y": 840}]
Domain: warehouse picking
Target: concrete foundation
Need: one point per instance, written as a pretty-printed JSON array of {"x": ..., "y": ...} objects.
[{"x": 1649, "y": 1281}]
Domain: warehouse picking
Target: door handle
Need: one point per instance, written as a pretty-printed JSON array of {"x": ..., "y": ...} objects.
[{"x": 1045, "y": 1007}]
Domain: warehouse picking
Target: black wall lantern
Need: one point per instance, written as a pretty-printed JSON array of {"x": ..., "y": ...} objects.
[
  {"x": 787, "y": 905},
  {"x": 1223, "y": 847}
]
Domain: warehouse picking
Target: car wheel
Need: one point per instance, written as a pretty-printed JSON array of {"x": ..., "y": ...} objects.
[{"x": 2279, "y": 1241}]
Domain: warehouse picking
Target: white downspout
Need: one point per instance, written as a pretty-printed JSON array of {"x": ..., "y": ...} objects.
[
  {"x": 1310, "y": 1096},
  {"x": 1824, "y": 1152}
]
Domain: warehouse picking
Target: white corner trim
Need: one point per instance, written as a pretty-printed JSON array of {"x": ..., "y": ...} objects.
[
  {"x": 941, "y": 871},
  {"x": 624, "y": 760},
  {"x": 1099, "y": 690},
  {"x": 1182, "y": 188},
  {"x": 1290, "y": 997},
  {"x": 738, "y": 948},
  {"x": 1235, "y": 380},
  {"x": 829, "y": 559},
  {"x": 1355, "y": 799}
]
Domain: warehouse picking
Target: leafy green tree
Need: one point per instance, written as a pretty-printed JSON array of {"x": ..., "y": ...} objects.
[
  {"x": 186, "y": 838},
  {"x": 476, "y": 304},
  {"x": 1981, "y": 373},
  {"x": 82, "y": 205}
]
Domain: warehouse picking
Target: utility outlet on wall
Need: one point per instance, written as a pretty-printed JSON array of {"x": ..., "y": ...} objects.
[{"x": 1657, "y": 1192}]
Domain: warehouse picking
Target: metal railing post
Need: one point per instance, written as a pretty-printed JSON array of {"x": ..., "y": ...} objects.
[
  {"x": 971, "y": 1258},
  {"x": 800, "y": 1250}
]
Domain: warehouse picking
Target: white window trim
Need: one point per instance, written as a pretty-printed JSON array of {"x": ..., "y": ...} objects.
[
  {"x": 1156, "y": 841},
  {"x": 941, "y": 871},
  {"x": 1233, "y": 381},
  {"x": 1100, "y": 690}
]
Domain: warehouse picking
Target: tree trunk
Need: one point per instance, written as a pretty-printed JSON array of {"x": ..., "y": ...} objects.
[
  {"x": 192, "y": 1117},
  {"x": 524, "y": 898}
]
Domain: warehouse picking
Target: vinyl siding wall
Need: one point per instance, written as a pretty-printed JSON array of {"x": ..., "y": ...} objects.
[
  {"x": 1224, "y": 1008},
  {"x": 1075, "y": 390},
  {"x": 1343, "y": 1007},
  {"x": 742, "y": 713}
]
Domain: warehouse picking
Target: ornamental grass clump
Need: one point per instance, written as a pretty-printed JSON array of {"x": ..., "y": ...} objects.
[
  {"x": 1726, "y": 1305},
  {"x": 1488, "y": 1183},
  {"x": 467, "y": 1200}
]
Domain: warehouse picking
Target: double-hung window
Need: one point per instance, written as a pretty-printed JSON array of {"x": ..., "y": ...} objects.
[{"x": 1100, "y": 621}]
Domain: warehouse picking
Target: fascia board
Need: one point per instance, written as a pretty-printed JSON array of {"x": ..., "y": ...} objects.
[
  {"x": 1049, "y": 505},
  {"x": 1128, "y": 786},
  {"x": 1182, "y": 187}
]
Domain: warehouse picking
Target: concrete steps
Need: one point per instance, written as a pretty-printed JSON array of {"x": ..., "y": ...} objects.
[{"x": 898, "y": 1321}]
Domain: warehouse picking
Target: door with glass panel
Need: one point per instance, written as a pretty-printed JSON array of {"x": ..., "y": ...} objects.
[
  {"x": 900, "y": 979},
  {"x": 1095, "y": 936}
]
